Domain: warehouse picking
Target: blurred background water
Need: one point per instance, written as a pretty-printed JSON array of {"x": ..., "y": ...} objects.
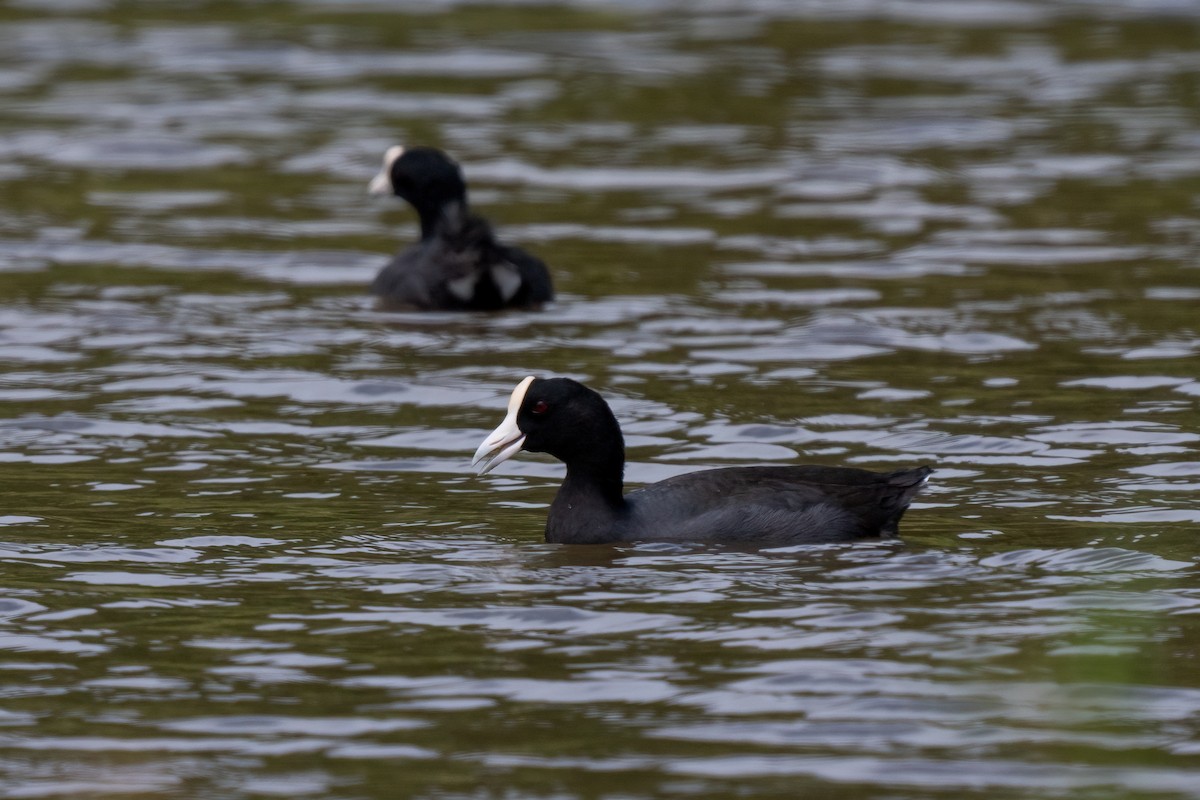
[{"x": 243, "y": 551}]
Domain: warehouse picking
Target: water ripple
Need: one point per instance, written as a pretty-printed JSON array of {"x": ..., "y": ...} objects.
[{"x": 245, "y": 553}]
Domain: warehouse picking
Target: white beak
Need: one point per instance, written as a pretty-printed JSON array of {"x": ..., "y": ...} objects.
[
  {"x": 507, "y": 440},
  {"x": 382, "y": 183}
]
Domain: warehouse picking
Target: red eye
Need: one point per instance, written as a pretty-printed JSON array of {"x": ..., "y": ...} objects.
[{"x": 540, "y": 407}]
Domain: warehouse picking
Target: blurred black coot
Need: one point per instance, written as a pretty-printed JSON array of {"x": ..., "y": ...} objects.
[
  {"x": 760, "y": 506},
  {"x": 458, "y": 265}
]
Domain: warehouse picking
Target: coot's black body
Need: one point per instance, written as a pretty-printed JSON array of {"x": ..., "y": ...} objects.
[
  {"x": 758, "y": 506},
  {"x": 458, "y": 265}
]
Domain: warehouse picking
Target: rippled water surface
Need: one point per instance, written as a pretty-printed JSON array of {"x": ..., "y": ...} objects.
[{"x": 243, "y": 551}]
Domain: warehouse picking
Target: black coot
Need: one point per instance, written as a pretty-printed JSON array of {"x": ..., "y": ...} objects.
[
  {"x": 762, "y": 506},
  {"x": 458, "y": 265}
]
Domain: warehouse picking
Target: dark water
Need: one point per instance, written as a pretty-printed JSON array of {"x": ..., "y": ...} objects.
[{"x": 244, "y": 554}]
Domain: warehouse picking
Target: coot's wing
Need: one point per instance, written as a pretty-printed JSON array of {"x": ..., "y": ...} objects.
[
  {"x": 401, "y": 283},
  {"x": 536, "y": 286},
  {"x": 772, "y": 505},
  {"x": 878, "y": 499},
  {"x": 443, "y": 271}
]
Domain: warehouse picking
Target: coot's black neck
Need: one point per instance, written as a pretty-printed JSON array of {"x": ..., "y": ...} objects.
[
  {"x": 442, "y": 217},
  {"x": 590, "y": 503},
  {"x": 608, "y": 486}
]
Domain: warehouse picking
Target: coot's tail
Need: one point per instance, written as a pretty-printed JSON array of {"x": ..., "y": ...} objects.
[{"x": 905, "y": 483}]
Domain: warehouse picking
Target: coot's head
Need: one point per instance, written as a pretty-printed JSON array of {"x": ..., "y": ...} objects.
[
  {"x": 424, "y": 176},
  {"x": 558, "y": 416}
]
